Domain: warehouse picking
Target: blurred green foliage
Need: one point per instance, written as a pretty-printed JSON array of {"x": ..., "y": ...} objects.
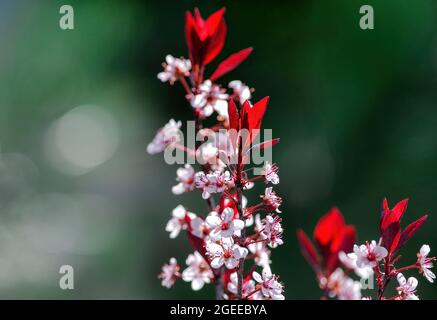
[{"x": 355, "y": 111}]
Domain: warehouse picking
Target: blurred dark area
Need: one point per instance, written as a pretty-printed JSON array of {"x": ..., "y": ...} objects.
[{"x": 355, "y": 111}]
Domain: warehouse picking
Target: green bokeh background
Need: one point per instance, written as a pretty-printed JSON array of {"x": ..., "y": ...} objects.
[{"x": 355, "y": 111}]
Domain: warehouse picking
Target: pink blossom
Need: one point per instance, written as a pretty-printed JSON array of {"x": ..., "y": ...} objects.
[
  {"x": 270, "y": 171},
  {"x": 271, "y": 200},
  {"x": 240, "y": 90},
  {"x": 425, "y": 263},
  {"x": 185, "y": 176},
  {"x": 407, "y": 288},
  {"x": 368, "y": 255},
  {"x": 169, "y": 273},
  {"x": 198, "y": 271},
  {"x": 224, "y": 225},
  {"x": 270, "y": 286},
  {"x": 214, "y": 182},
  {"x": 167, "y": 136},
  {"x": 210, "y": 98},
  {"x": 227, "y": 253},
  {"x": 178, "y": 221},
  {"x": 272, "y": 230},
  {"x": 174, "y": 68}
]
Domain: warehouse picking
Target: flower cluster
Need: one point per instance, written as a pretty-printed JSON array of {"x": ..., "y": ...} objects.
[
  {"x": 231, "y": 234},
  {"x": 337, "y": 256}
]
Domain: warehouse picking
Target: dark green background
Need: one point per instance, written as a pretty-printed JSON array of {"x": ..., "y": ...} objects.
[{"x": 355, "y": 111}]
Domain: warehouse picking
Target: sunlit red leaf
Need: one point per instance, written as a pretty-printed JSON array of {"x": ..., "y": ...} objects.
[{"x": 328, "y": 227}]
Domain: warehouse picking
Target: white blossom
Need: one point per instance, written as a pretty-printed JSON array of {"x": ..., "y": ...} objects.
[
  {"x": 169, "y": 273},
  {"x": 178, "y": 222},
  {"x": 185, "y": 176},
  {"x": 407, "y": 288},
  {"x": 272, "y": 230},
  {"x": 247, "y": 287},
  {"x": 341, "y": 286},
  {"x": 227, "y": 253},
  {"x": 224, "y": 225},
  {"x": 199, "y": 227},
  {"x": 214, "y": 182},
  {"x": 368, "y": 255},
  {"x": 174, "y": 68},
  {"x": 425, "y": 263},
  {"x": 198, "y": 271},
  {"x": 271, "y": 200},
  {"x": 209, "y": 153},
  {"x": 261, "y": 253},
  {"x": 210, "y": 98},
  {"x": 270, "y": 286},
  {"x": 350, "y": 262},
  {"x": 270, "y": 171},
  {"x": 240, "y": 90},
  {"x": 167, "y": 136}
]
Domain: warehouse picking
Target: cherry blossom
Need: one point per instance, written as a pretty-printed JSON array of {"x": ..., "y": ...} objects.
[
  {"x": 185, "y": 176},
  {"x": 261, "y": 253},
  {"x": 198, "y": 271},
  {"x": 174, "y": 68},
  {"x": 240, "y": 90},
  {"x": 248, "y": 285},
  {"x": 178, "y": 221},
  {"x": 222, "y": 239},
  {"x": 224, "y": 225},
  {"x": 272, "y": 230},
  {"x": 167, "y": 136},
  {"x": 199, "y": 227},
  {"x": 170, "y": 273},
  {"x": 270, "y": 171},
  {"x": 368, "y": 255},
  {"x": 271, "y": 200},
  {"x": 341, "y": 286},
  {"x": 350, "y": 262},
  {"x": 227, "y": 253},
  {"x": 214, "y": 182},
  {"x": 407, "y": 288},
  {"x": 209, "y": 153},
  {"x": 269, "y": 284},
  {"x": 209, "y": 99},
  {"x": 425, "y": 263}
]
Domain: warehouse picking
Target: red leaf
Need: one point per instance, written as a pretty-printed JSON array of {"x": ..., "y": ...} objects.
[
  {"x": 391, "y": 235},
  {"x": 328, "y": 227},
  {"x": 216, "y": 43},
  {"x": 189, "y": 26},
  {"x": 230, "y": 63},
  {"x": 252, "y": 119},
  {"x": 205, "y": 39},
  {"x": 212, "y": 23},
  {"x": 410, "y": 230},
  {"x": 256, "y": 113},
  {"x": 233, "y": 115},
  {"x": 308, "y": 250},
  {"x": 400, "y": 208},
  {"x": 265, "y": 144},
  {"x": 344, "y": 241}
]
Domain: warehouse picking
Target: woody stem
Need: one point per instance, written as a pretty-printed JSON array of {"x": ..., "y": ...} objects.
[
  {"x": 386, "y": 278},
  {"x": 239, "y": 187}
]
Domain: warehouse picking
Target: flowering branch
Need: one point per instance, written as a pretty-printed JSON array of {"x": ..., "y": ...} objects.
[
  {"x": 338, "y": 255},
  {"x": 219, "y": 238}
]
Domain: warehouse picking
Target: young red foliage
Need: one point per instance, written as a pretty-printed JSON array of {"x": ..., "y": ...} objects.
[{"x": 331, "y": 236}]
